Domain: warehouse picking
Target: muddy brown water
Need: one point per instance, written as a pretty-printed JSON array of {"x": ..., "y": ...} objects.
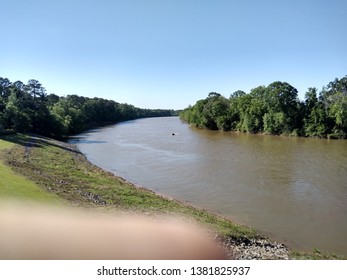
[{"x": 292, "y": 188}]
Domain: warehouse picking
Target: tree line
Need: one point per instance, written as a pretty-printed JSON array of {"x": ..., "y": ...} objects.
[
  {"x": 275, "y": 109},
  {"x": 28, "y": 108}
]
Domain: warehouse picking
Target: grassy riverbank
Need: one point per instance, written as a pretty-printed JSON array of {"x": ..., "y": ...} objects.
[
  {"x": 42, "y": 169},
  {"x": 16, "y": 186}
]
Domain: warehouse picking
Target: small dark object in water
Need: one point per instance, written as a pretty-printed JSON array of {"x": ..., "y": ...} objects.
[{"x": 173, "y": 134}]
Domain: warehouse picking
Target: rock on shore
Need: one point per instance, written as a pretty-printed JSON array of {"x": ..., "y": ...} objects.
[{"x": 253, "y": 249}]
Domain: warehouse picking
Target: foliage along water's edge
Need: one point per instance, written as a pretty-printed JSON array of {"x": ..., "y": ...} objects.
[{"x": 275, "y": 109}]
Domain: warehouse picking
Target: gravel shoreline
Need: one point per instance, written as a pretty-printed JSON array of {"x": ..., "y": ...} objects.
[{"x": 253, "y": 249}]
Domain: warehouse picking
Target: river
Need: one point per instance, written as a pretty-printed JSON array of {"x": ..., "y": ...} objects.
[{"x": 294, "y": 189}]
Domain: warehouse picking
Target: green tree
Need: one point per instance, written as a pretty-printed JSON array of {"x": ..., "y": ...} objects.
[
  {"x": 334, "y": 98},
  {"x": 314, "y": 115},
  {"x": 4, "y": 87},
  {"x": 196, "y": 116},
  {"x": 234, "y": 109},
  {"x": 69, "y": 112},
  {"x": 215, "y": 114},
  {"x": 283, "y": 108},
  {"x": 13, "y": 115}
]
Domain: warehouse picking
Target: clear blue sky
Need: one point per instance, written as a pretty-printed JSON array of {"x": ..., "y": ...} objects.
[{"x": 170, "y": 53}]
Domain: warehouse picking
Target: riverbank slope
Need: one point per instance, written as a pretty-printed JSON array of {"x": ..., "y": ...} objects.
[{"x": 59, "y": 169}]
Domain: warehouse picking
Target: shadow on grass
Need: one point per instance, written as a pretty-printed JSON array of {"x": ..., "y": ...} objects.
[{"x": 38, "y": 141}]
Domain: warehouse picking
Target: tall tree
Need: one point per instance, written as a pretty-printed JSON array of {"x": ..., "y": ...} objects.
[
  {"x": 283, "y": 107},
  {"x": 314, "y": 115},
  {"x": 35, "y": 89},
  {"x": 4, "y": 87}
]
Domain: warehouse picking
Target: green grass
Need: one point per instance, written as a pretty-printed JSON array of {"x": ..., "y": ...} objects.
[
  {"x": 315, "y": 255},
  {"x": 15, "y": 186}
]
